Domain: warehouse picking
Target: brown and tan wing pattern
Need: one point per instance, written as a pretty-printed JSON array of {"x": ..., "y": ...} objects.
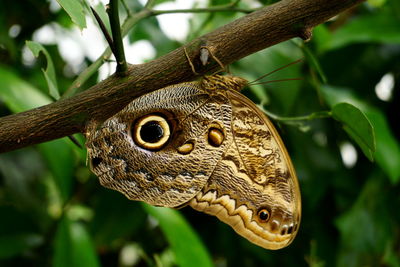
[
  {"x": 176, "y": 171},
  {"x": 254, "y": 187},
  {"x": 206, "y": 145}
]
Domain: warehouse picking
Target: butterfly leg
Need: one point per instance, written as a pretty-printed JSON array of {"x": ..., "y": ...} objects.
[{"x": 190, "y": 61}]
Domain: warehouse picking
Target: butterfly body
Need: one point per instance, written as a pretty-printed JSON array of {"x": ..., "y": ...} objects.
[{"x": 205, "y": 145}]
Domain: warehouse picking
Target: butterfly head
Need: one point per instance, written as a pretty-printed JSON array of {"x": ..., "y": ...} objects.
[{"x": 218, "y": 82}]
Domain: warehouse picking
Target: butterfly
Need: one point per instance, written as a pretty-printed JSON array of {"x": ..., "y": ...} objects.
[{"x": 202, "y": 144}]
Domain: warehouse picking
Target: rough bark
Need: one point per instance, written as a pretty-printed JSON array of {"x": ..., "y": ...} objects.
[{"x": 271, "y": 25}]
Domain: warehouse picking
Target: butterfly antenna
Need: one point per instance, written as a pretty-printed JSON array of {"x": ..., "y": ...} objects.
[
  {"x": 282, "y": 80},
  {"x": 278, "y": 69}
]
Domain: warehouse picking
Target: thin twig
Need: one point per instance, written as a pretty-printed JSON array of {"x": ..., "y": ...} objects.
[
  {"x": 86, "y": 74},
  {"x": 234, "y": 3},
  {"x": 117, "y": 37},
  {"x": 315, "y": 115},
  {"x": 104, "y": 30},
  {"x": 75, "y": 141},
  {"x": 149, "y": 4},
  {"x": 127, "y": 10}
]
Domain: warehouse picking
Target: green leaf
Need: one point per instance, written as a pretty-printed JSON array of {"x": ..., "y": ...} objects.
[
  {"x": 130, "y": 217},
  {"x": 17, "y": 232},
  {"x": 334, "y": 95},
  {"x": 376, "y": 3},
  {"x": 62, "y": 167},
  {"x": 19, "y": 95},
  {"x": 387, "y": 146},
  {"x": 73, "y": 246},
  {"x": 11, "y": 245},
  {"x": 367, "y": 28},
  {"x": 357, "y": 125},
  {"x": 188, "y": 248},
  {"x": 366, "y": 229},
  {"x": 49, "y": 73},
  {"x": 321, "y": 38},
  {"x": 387, "y": 153},
  {"x": 22, "y": 175},
  {"x": 314, "y": 63},
  {"x": 75, "y": 9}
]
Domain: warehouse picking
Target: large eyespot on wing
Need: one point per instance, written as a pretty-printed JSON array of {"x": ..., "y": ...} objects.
[
  {"x": 151, "y": 132},
  {"x": 254, "y": 188},
  {"x": 158, "y": 149}
]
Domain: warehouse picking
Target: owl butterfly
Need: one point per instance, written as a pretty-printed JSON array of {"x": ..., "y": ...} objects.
[{"x": 205, "y": 145}]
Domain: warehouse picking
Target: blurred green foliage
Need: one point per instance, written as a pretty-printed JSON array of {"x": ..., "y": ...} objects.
[{"x": 53, "y": 212}]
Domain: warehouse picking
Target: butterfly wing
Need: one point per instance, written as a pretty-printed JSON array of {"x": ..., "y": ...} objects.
[
  {"x": 220, "y": 155},
  {"x": 175, "y": 172},
  {"x": 254, "y": 187}
]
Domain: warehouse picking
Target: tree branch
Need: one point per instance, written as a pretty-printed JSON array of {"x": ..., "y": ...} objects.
[
  {"x": 258, "y": 30},
  {"x": 132, "y": 20}
]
